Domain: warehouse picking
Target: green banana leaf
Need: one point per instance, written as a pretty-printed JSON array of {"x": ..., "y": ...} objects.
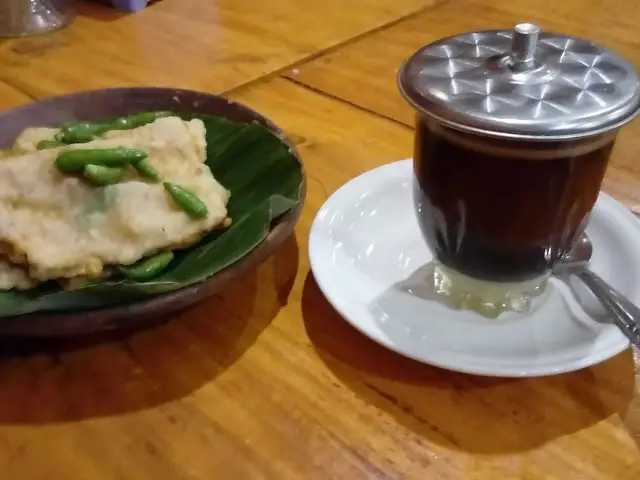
[{"x": 264, "y": 178}]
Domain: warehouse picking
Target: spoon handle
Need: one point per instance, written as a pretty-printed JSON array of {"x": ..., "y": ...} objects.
[{"x": 625, "y": 313}]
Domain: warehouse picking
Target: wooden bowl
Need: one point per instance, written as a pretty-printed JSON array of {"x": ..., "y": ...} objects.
[{"x": 103, "y": 104}]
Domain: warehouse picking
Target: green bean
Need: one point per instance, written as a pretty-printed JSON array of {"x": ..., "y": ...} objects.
[
  {"x": 75, "y": 160},
  {"x": 81, "y": 132},
  {"x": 146, "y": 170},
  {"x": 100, "y": 175},
  {"x": 44, "y": 144},
  {"x": 147, "y": 268},
  {"x": 187, "y": 200},
  {"x": 137, "y": 120}
]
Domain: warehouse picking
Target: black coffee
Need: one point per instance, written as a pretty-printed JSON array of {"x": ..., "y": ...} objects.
[{"x": 503, "y": 210}]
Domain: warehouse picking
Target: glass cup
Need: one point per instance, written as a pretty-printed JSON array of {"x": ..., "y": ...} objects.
[
  {"x": 514, "y": 133},
  {"x": 32, "y": 17},
  {"x": 498, "y": 214}
]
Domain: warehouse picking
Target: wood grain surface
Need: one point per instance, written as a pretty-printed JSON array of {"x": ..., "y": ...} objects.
[
  {"x": 10, "y": 97},
  {"x": 265, "y": 380},
  {"x": 197, "y": 44},
  {"x": 363, "y": 73}
]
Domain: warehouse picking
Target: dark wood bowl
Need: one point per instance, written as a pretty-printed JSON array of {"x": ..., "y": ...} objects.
[{"x": 103, "y": 104}]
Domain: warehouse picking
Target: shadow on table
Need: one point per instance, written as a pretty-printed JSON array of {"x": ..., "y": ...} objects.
[
  {"x": 470, "y": 413},
  {"x": 67, "y": 380}
]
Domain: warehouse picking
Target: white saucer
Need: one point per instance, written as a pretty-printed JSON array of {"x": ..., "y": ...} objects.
[{"x": 368, "y": 258}]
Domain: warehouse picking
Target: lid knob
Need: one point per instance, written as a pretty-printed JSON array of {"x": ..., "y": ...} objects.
[{"x": 523, "y": 46}]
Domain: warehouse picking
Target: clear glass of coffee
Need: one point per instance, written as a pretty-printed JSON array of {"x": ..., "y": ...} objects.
[{"x": 514, "y": 130}]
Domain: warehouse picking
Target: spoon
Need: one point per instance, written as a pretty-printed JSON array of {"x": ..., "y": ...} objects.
[{"x": 625, "y": 314}]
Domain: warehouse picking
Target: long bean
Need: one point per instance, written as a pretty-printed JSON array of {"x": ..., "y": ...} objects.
[
  {"x": 45, "y": 144},
  {"x": 83, "y": 132},
  {"x": 146, "y": 170},
  {"x": 187, "y": 200},
  {"x": 100, "y": 175},
  {"x": 74, "y": 161},
  {"x": 137, "y": 120},
  {"x": 147, "y": 268}
]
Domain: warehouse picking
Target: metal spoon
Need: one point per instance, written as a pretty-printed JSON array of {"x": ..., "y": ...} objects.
[{"x": 625, "y": 314}]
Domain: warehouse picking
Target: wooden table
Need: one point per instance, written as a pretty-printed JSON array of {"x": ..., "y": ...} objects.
[{"x": 266, "y": 380}]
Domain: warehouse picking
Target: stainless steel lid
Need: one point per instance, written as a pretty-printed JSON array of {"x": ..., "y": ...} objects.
[{"x": 522, "y": 84}]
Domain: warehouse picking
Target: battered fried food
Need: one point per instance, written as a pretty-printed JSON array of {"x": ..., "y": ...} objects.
[
  {"x": 29, "y": 139},
  {"x": 61, "y": 225},
  {"x": 15, "y": 276}
]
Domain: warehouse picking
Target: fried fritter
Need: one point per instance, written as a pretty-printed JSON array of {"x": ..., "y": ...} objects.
[
  {"x": 60, "y": 225},
  {"x": 28, "y": 140}
]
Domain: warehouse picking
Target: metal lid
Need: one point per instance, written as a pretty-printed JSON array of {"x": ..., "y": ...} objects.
[{"x": 522, "y": 84}]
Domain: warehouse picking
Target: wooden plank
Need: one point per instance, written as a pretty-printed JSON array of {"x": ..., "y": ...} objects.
[
  {"x": 10, "y": 97},
  {"x": 196, "y": 44},
  {"x": 364, "y": 72}
]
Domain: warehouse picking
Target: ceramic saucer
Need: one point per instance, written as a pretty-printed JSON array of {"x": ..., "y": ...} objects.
[{"x": 370, "y": 261}]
